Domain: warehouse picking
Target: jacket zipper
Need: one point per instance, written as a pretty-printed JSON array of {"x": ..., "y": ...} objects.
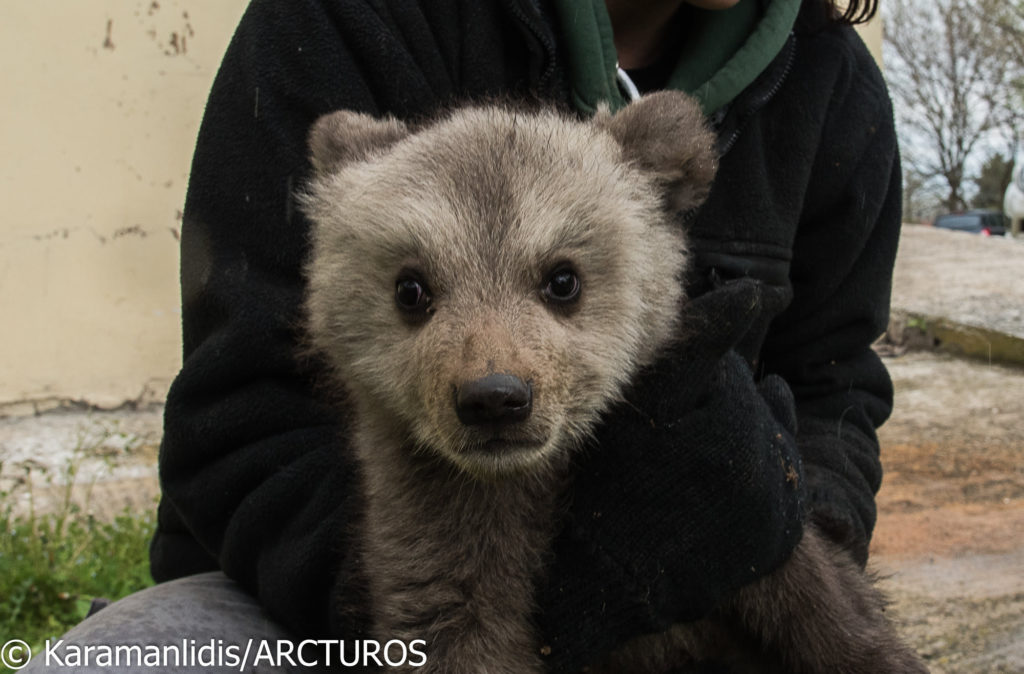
[
  {"x": 542, "y": 37},
  {"x": 763, "y": 99}
]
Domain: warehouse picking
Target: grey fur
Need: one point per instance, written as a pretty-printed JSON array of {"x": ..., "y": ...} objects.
[{"x": 481, "y": 206}]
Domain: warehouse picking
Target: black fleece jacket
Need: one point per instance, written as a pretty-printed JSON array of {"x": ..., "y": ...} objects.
[{"x": 256, "y": 479}]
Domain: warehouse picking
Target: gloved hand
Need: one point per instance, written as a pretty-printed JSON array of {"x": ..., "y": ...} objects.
[{"x": 688, "y": 492}]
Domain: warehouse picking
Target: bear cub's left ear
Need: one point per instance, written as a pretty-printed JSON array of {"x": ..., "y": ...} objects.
[
  {"x": 665, "y": 134},
  {"x": 341, "y": 137}
]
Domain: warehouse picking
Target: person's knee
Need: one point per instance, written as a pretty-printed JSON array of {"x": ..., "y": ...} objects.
[{"x": 196, "y": 623}]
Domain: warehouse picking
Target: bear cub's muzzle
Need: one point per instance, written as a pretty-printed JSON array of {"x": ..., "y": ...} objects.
[{"x": 495, "y": 400}]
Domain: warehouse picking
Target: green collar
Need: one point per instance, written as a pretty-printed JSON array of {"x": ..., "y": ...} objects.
[{"x": 720, "y": 52}]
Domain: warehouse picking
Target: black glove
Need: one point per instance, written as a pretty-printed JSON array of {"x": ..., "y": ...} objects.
[{"x": 689, "y": 491}]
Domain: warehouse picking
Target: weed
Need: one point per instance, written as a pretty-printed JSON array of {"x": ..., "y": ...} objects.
[
  {"x": 918, "y": 323},
  {"x": 54, "y": 562}
]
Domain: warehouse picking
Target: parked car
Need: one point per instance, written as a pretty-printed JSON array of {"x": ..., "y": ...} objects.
[{"x": 986, "y": 223}]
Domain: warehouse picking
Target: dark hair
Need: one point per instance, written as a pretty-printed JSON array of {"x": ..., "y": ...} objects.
[
  {"x": 856, "y": 11},
  {"x": 816, "y": 14}
]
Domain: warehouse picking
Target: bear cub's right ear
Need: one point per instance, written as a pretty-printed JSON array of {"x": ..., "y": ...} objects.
[{"x": 341, "y": 137}]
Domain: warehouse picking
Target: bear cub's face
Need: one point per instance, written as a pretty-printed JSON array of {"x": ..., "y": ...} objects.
[{"x": 485, "y": 286}]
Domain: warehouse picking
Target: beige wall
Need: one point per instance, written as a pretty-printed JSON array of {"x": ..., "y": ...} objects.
[
  {"x": 871, "y": 33},
  {"x": 102, "y": 101}
]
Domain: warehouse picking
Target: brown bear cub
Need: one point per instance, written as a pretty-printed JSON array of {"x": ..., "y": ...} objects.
[{"x": 483, "y": 288}]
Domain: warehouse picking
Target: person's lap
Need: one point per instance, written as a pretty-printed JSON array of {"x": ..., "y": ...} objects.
[{"x": 202, "y": 623}]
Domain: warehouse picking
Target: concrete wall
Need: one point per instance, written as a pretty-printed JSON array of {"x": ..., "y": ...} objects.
[
  {"x": 871, "y": 33},
  {"x": 102, "y": 102}
]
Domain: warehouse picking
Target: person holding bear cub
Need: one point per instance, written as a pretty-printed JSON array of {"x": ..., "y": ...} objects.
[{"x": 704, "y": 481}]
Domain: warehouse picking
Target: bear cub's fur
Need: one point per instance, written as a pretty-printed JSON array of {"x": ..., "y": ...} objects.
[{"x": 484, "y": 287}]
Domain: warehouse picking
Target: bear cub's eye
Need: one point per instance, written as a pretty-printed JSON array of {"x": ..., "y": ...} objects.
[
  {"x": 411, "y": 294},
  {"x": 563, "y": 285}
]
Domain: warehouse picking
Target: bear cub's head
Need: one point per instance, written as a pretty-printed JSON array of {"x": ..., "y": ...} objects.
[{"x": 486, "y": 285}]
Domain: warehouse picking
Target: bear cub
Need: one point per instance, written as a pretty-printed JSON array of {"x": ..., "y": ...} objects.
[{"x": 483, "y": 287}]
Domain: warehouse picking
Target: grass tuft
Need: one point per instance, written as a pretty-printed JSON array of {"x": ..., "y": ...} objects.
[{"x": 53, "y": 564}]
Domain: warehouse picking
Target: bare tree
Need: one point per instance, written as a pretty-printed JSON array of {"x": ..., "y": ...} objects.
[
  {"x": 922, "y": 198},
  {"x": 1007, "y": 18},
  {"x": 1007, "y": 21},
  {"x": 948, "y": 73}
]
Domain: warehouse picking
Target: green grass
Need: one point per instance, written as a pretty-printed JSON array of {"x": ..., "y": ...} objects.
[{"x": 53, "y": 564}]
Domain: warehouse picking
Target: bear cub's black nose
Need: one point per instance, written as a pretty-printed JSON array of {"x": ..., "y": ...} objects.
[{"x": 494, "y": 399}]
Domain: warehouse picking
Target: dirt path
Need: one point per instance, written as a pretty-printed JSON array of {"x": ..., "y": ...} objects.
[{"x": 950, "y": 533}]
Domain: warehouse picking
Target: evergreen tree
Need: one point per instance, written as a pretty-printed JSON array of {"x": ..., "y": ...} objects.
[{"x": 992, "y": 181}]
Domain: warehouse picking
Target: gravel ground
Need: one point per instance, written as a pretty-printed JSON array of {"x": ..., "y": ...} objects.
[
  {"x": 110, "y": 457},
  {"x": 970, "y": 279},
  {"x": 950, "y": 534}
]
